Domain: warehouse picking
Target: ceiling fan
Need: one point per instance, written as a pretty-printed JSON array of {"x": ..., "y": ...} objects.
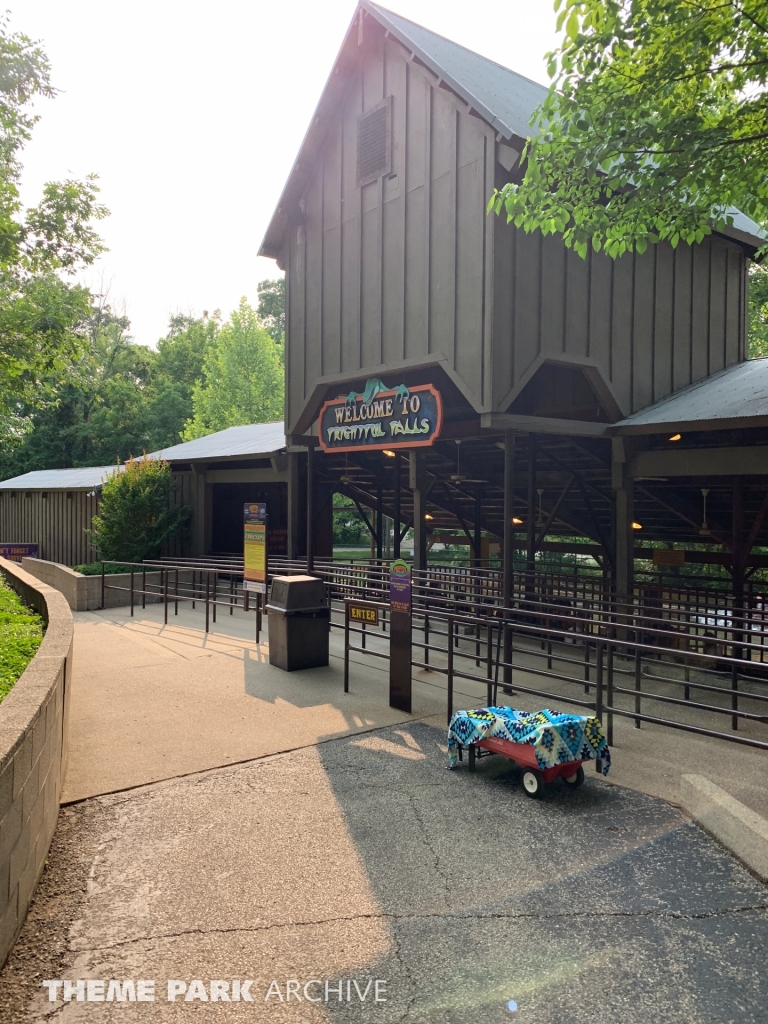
[
  {"x": 345, "y": 477},
  {"x": 461, "y": 478}
]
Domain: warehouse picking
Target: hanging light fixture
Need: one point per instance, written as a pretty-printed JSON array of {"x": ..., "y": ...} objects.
[
  {"x": 676, "y": 437},
  {"x": 637, "y": 526},
  {"x": 704, "y": 530},
  {"x": 458, "y": 477},
  {"x": 516, "y": 521},
  {"x": 388, "y": 453}
]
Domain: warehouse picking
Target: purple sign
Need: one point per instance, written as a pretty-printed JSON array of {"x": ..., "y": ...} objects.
[
  {"x": 15, "y": 552},
  {"x": 400, "y": 587}
]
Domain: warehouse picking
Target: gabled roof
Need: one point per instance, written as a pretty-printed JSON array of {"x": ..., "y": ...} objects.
[
  {"x": 734, "y": 397},
  {"x": 503, "y": 98},
  {"x": 82, "y": 479},
  {"x": 252, "y": 439}
]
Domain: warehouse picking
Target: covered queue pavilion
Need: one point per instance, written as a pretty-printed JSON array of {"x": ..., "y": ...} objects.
[{"x": 590, "y": 406}]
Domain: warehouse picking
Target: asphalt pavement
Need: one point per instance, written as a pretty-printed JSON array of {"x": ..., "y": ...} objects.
[{"x": 316, "y": 873}]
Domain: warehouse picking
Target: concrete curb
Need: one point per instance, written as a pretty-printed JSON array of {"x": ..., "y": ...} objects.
[{"x": 737, "y": 827}]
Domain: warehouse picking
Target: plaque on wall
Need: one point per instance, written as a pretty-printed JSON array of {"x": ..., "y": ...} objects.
[{"x": 381, "y": 418}]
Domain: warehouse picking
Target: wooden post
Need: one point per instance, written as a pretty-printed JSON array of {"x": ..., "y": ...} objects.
[
  {"x": 293, "y": 546},
  {"x": 310, "y": 510},
  {"x": 396, "y": 524},
  {"x": 530, "y": 525},
  {"x": 379, "y": 521},
  {"x": 624, "y": 516},
  {"x": 509, "y": 542},
  {"x": 418, "y": 486}
]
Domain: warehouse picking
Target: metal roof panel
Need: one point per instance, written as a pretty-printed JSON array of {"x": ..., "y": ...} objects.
[
  {"x": 251, "y": 439},
  {"x": 505, "y": 98},
  {"x": 738, "y": 393},
  {"x": 81, "y": 478}
]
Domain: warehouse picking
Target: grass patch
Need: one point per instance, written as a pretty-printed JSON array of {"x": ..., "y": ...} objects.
[{"x": 21, "y": 632}]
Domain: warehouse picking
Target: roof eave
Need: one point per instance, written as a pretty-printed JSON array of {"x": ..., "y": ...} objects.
[
  {"x": 279, "y": 223},
  {"x": 753, "y": 242},
  {"x": 226, "y": 458},
  {"x": 687, "y": 426}
]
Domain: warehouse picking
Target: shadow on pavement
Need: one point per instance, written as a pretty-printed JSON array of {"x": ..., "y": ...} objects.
[{"x": 597, "y": 904}]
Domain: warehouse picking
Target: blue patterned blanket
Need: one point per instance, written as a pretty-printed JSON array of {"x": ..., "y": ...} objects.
[{"x": 555, "y": 738}]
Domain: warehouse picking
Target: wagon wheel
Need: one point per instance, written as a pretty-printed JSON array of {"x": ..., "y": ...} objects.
[
  {"x": 533, "y": 782},
  {"x": 575, "y": 780}
]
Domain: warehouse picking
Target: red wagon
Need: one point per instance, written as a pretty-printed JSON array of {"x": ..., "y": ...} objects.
[{"x": 534, "y": 778}]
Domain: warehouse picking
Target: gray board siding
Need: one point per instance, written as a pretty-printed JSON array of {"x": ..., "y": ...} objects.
[
  {"x": 410, "y": 267},
  {"x": 651, "y": 323},
  {"x": 400, "y": 268},
  {"x": 59, "y": 521}
]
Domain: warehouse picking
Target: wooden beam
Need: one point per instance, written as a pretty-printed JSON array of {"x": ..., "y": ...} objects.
[
  {"x": 595, "y": 520},
  {"x": 364, "y": 517},
  {"x": 457, "y": 512},
  {"x": 704, "y": 462},
  {"x": 756, "y": 527},
  {"x": 543, "y": 425},
  {"x": 553, "y": 513}
]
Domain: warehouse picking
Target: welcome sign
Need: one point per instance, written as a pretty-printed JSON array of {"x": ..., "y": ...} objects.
[{"x": 381, "y": 417}]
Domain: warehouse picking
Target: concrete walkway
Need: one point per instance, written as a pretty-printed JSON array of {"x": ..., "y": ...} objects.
[
  {"x": 355, "y": 857},
  {"x": 152, "y": 702}
]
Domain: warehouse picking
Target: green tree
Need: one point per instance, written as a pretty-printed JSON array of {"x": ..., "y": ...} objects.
[
  {"x": 41, "y": 315},
  {"x": 655, "y": 126},
  {"x": 243, "y": 377},
  {"x": 758, "y": 311},
  {"x": 177, "y": 369},
  {"x": 137, "y": 514},
  {"x": 348, "y": 528},
  {"x": 118, "y": 399},
  {"x": 271, "y": 308}
]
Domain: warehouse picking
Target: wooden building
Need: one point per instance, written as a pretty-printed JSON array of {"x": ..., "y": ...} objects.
[
  {"x": 397, "y": 277},
  {"x": 216, "y": 475}
]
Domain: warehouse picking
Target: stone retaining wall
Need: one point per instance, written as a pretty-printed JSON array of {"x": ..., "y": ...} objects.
[
  {"x": 33, "y": 753},
  {"x": 84, "y": 592}
]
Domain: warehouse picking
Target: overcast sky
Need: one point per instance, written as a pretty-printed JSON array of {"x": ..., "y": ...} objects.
[{"x": 192, "y": 114}]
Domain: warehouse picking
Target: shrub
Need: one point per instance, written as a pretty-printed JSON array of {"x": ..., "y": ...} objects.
[
  {"x": 136, "y": 516},
  {"x": 94, "y": 569}
]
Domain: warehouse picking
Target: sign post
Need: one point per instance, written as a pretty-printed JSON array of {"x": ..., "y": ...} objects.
[
  {"x": 400, "y": 606},
  {"x": 255, "y": 554}
]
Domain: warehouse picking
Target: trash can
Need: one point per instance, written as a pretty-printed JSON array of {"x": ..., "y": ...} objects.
[{"x": 299, "y": 623}]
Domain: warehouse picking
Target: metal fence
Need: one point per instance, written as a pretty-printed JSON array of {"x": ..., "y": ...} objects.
[{"x": 686, "y": 658}]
